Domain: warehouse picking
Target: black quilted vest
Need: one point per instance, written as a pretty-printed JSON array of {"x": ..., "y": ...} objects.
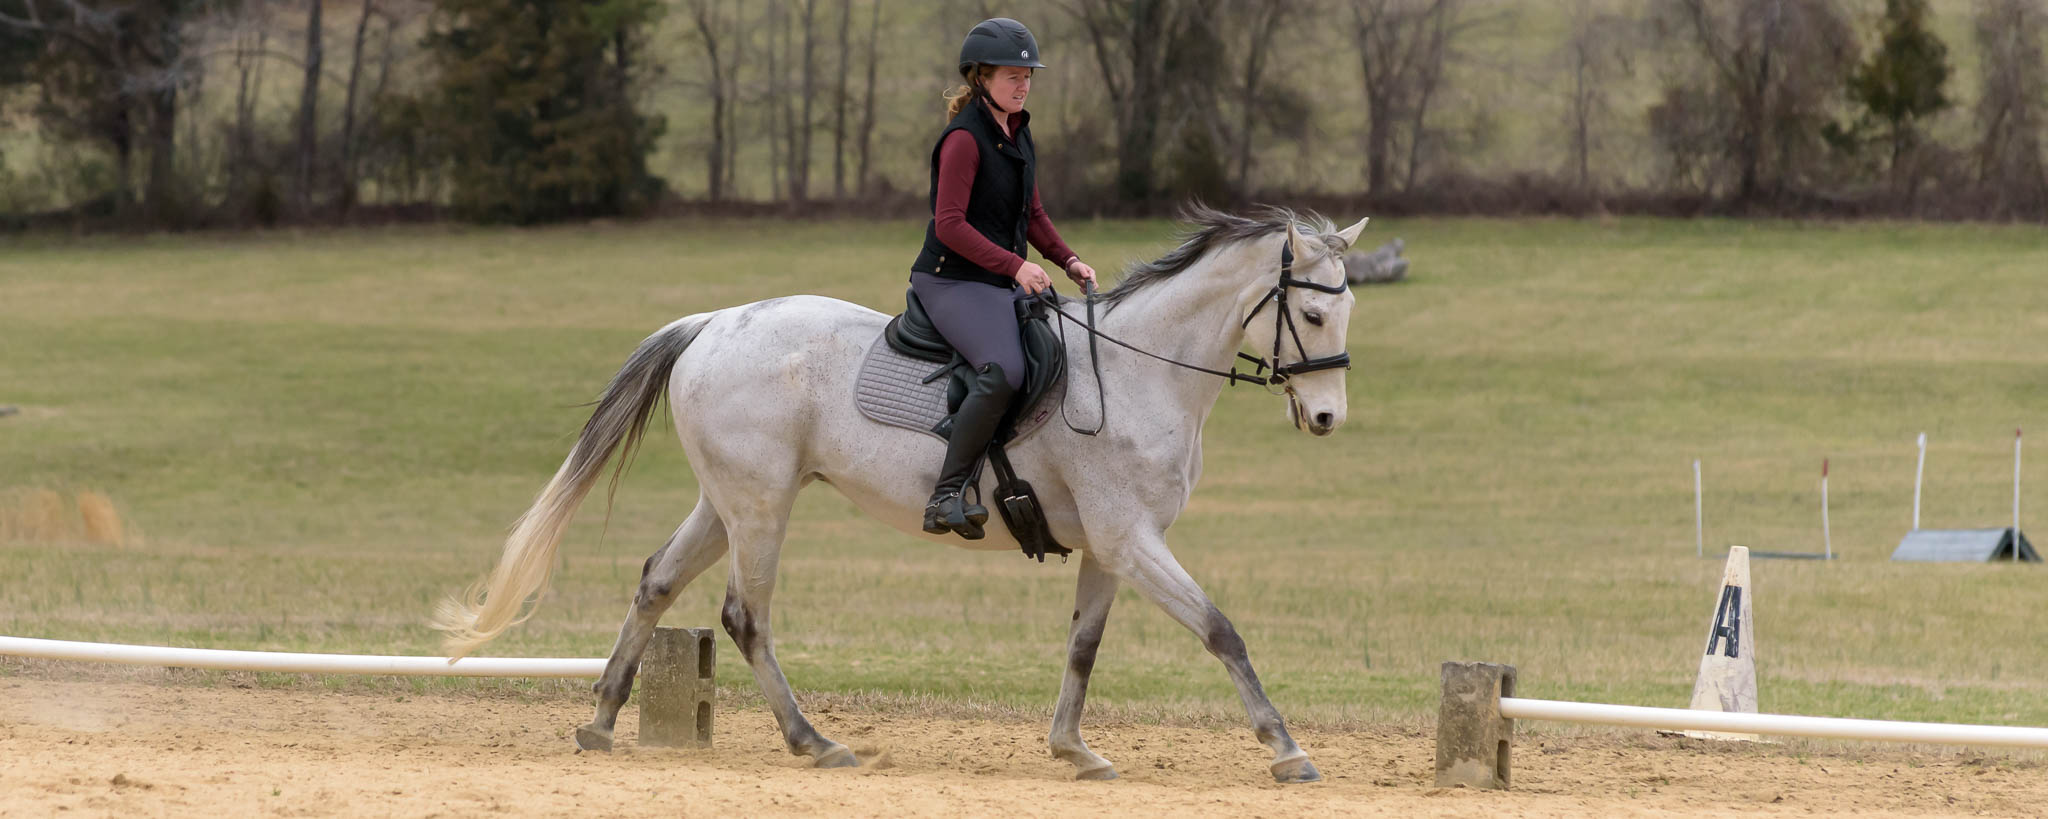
[{"x": 997, "y": 205}]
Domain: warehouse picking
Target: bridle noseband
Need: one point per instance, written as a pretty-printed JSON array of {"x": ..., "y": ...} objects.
[{"x": 1282, "y": 320}]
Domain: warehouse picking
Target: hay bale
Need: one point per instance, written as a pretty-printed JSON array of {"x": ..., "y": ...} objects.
[
  {"x": 46, "y": 516},
  {"x": 102, "y": 523},
  {"x": 35, "y": 514}
]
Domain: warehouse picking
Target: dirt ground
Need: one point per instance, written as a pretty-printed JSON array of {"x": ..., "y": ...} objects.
[{"x": 165, "y": 748}]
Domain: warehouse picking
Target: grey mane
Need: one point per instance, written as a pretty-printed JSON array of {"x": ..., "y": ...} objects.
[{"x": 1207, "y": 229}]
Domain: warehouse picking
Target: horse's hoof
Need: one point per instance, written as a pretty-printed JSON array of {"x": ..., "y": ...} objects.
[
  {"x": 1102, "y": 774},
  {"x": 592, "y": 738},
  {"x": 1295, "y": 771},
  {"x": 838, "y": 757}
]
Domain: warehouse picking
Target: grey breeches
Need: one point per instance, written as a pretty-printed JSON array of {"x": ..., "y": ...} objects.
[{"x": 979, "y": 320}]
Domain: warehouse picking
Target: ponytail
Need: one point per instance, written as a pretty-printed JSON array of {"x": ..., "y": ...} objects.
[{"x": 959, "y": 96}]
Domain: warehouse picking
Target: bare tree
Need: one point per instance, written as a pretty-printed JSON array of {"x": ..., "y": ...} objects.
[
  {"x": 800, "y": 170},
  {"x": 1132, "y": 42},
  {"x": 166, "y": 71},
  {"x": 1594, "y": 56},
  {"x": 867, "y": 117},
  {"x": 307, "y": 145},
  {"x": 839, "y": 102},
  {"x": 776, "y": 110},
  {"x": 2010, "y": 116},
  {"x": 741, "y": 44},
  {"x": 251, "y": 35},
  {"x": 1263, "y": 22},
  {"x": 1430, "y": 75},
  {"x": 348, "y": 108},
  {"x": 1772, "y": 69},
  {"x": 395, "y": 14},
  {"x": 1402, "y": 46},
  {"x": 718, "y": 53}
]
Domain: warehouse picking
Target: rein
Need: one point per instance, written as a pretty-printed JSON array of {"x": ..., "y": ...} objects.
[{"x": 1280, "y": 372}]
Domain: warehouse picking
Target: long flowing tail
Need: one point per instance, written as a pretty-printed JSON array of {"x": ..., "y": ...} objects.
[{"x": 502, "y": 599}]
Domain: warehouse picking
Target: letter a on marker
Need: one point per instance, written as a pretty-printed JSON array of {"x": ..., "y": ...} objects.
[{"x": 1728, "y": 623}]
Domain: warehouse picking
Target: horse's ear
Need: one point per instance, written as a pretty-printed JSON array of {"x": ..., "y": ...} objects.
[
  {"x": 1298, "y": 242},
  {"x": 1350, "y": 234}
]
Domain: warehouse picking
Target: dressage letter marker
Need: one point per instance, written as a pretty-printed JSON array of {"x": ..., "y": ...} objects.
[{"x": 1727, "y": 680}]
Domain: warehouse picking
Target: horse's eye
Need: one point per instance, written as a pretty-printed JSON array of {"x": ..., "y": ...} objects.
[{"x": 1313, "y": 317}]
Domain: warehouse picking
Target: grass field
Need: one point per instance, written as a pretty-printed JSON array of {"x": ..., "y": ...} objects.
[{"x": 313, "y": 437}]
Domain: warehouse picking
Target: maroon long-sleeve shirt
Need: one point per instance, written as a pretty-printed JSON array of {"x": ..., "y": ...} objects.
[{"x": 958, "y": 162}]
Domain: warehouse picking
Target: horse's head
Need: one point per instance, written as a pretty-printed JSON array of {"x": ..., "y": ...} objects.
[{"x": 1304, "y": 340}]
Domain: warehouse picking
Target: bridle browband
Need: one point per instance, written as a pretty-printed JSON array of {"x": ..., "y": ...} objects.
[{"x": 1282, "y": 319}]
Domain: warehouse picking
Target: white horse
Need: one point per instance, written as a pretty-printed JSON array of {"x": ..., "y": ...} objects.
[{"x": 763, "y": 400}]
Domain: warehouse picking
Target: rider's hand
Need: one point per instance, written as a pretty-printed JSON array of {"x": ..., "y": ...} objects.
[
  {"x": 1032, "y": 278},
  {"x": 1081, "y": 273}
]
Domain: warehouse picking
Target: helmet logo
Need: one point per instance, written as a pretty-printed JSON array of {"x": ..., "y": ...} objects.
[{"x": 1027, "y": 54}]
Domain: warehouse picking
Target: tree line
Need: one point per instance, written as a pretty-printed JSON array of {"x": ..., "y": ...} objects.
[{"x": 171, "y": 113}]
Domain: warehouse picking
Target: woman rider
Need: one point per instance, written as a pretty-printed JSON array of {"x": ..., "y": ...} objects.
[{"x": 985, "y": 207}]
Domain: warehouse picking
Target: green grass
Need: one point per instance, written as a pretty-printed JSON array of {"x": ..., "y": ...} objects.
[{"x": 320, "y": 434}]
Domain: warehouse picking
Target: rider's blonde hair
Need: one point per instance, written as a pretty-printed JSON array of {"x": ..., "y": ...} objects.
[{"x": 958, "y": 96}]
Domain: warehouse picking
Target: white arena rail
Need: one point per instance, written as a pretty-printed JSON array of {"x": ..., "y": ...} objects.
[
  {"x": 1475, "y": 726},
  {"x": 299, "y": 663},
  {"x": 1681, "y": 719}
]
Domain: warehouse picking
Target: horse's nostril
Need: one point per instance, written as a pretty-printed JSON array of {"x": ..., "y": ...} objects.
[{"x": 1323, "y": 419}]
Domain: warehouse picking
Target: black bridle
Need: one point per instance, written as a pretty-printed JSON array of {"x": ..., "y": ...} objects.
[
  {"x": 1278, "y": 297},
  {"x": 1282, "y": 320}
]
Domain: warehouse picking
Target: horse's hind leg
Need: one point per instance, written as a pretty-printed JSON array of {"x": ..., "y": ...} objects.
[
  {"x": 756, "y": 547},
  {"x": 697, "y": 544}
]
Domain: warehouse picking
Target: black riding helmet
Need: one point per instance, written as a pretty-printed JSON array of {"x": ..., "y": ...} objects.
[{"x": 999, "y": 41}]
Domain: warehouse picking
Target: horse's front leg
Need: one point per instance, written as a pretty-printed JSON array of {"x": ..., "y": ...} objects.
[
  {"x": 1093, "y": 593},
  {"x": 1142, "y": 560}
]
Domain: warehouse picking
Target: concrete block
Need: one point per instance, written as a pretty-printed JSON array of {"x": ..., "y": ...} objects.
[
  {"x": 677, "y": 691},
  {"x": 1473, "y": 741}
]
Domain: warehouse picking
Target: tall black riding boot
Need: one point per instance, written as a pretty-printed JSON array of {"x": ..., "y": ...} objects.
[{"x": 988, "y": 395}]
